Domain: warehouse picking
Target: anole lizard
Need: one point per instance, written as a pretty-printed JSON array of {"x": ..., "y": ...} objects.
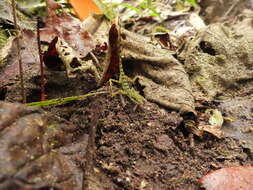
[{"x": 114, "y": 60}]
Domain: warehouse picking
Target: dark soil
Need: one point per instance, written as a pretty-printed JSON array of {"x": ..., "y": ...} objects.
[
  {"x": 108, "y": 142},
  {"x": 148, "y": 147}
]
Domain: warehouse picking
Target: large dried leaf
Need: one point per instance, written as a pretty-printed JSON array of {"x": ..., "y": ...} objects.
[
  {"x": 218, "y": 61},
  {"x": 6, "y": 16},
  {"x": 163, "y": 77},
  {"x": 29, "y": 57},
  {"x": 230, "y": 178},
  {"x": 38, "y": 151},
  {"x": 68, "y": 28}
]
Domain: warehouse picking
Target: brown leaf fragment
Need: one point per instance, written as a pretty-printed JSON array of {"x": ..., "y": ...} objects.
[
  {"x": 211, "y": 122},
  {"x": 229, "y": 178},
  {"x": 60, "y": 55},
  {"x": 164, "y": 39}
]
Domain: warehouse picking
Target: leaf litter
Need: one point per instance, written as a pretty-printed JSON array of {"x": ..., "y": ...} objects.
[{"x": 135, "y": 148}]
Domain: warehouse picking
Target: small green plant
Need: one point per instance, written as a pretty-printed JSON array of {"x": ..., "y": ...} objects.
[
  {"x": 110, "y": 9},
  {"x": 147, "y": 4},
  {"x": 186, "y": 4},
  {"x": 106, "y": 8},
  {"x": 4, "y": 45},
  {"x": 4, "y": 35}
]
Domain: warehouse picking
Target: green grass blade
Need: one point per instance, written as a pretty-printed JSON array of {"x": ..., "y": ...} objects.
[
  {"x": 107, "y": 10},
  {"x": 149, "y": 2},
  {"x": 63, "y": 100},
  {"x": 128, "y": 6}
]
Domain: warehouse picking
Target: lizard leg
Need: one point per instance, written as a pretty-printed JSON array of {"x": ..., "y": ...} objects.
[
  {"x": 132, "y": 94},
  {"x": 118, "y": 92},
  {"x": 133, "y": 80},
  {"x": 111, "y": 81}
]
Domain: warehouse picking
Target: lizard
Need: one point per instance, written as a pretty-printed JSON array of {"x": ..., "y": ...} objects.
[
  {"x": 130, "y": 92},
  {"x": 115, "y": 45}
]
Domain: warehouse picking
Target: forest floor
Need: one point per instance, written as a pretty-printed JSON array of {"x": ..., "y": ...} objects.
[{"x": 109, "y": 142}]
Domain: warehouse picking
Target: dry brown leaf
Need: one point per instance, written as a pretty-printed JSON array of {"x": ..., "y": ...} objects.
[
  {"x": 230, "y": 178},
  {"x": 67, "y": 27},
  {"x": 29, "y": 56}
]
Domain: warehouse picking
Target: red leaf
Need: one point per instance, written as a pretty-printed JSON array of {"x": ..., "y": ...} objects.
[
  {"x": 229, "y": 178},
  {"x": 113, "y": 54},
  {"x": 51, "y": 57}
]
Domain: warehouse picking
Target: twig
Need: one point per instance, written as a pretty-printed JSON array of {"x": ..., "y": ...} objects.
[
  {"x": 19, "y": 54},
  {"x": 231, "y": 8},
  {"x": 42, "y": 76},
  {"x": 191, "y": 139},
  {"x": 95, "y": 59}
]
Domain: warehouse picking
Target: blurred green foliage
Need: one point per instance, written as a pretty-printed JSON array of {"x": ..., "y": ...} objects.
[
  {"x": 192, "y": 2},
  {"x": 110, "y": 9},
  {"x": 38, "y": 7}
]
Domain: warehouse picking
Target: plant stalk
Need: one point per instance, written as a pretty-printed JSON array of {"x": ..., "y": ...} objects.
[
  {"x": 42, "y": 76},
  {"x": 18, "y": 51}
]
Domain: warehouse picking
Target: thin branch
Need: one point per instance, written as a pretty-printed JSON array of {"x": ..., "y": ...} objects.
[
  {"x": 18, "y": 50},
  {"x": 231, "y": 8},
  {"x": 95, "y": 59},
  {"x": 42, "y": 76}
]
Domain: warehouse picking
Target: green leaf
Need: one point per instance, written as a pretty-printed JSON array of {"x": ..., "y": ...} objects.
[
  {"x": 143, "y": 4},
  {"x": 193, "y": 2},
  {"x": 106, "y": 9},
  {"x": 149, "y": 2},
  {"x": 153, "y": 12}
]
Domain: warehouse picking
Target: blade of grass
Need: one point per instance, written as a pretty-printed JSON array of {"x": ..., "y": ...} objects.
[
  {"x": 128, "y": 6},
  {"x": 63, "y": 100},
  {"x": 107, "y": 10},
  {"x": 149, "y": 2}
]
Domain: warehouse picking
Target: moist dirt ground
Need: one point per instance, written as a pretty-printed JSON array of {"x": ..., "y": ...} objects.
[
  {"x": 107, "y": 142},
  {"x": 147, "y": 147}
]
